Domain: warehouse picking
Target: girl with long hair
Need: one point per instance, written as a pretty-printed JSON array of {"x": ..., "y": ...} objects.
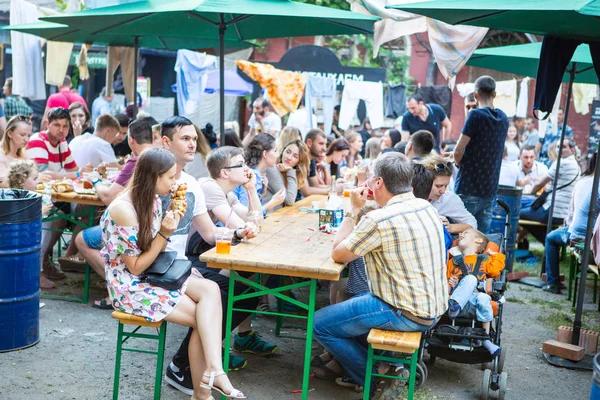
[
  {"x": 512, "y": 142},
  {"x": 287, "y": 135},
  {"x": 13, "y": 144},
  {"x": 134, "y": 234},
  {"x": 290, "y": 173},
  {"x": 81, "y": 120},
  {"x": 356, "y": 143},
  {"x": 337, "y": 152},
  {"x": 260, "y": 154},
  {"x": 390, "y": 138}
]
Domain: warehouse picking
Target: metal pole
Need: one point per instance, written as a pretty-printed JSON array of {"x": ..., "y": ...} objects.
[
  {"x": 222, "y": 28},
  {"x": 572, "y": 71},
  {"x": 586, "y": 254},
  {"x": 135, "y": 73}
]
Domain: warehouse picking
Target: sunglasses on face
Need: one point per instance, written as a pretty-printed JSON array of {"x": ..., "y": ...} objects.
[
  {"x": 441, "y": 167},
  {"x": 242, "y": 165},
  {"x": 23, "y": 118}
]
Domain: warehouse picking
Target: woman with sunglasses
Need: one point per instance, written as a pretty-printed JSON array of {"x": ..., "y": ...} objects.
[
  {"x": 13, "y": 144},
  {"x": 449, "y": 206}
]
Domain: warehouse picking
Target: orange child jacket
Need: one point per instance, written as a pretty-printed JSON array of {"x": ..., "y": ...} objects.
[{"x": 490, "y": 268}]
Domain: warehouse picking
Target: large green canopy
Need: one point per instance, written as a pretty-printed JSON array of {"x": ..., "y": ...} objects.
[
  {"x": 565, "y": 18},
  {"x": 523, "y": 60},
  {"x": 64, "y": 33},
  {"x": 244, "y": 19}
]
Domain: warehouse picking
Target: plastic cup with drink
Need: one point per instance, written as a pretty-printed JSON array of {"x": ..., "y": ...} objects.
[
  {"x": 223, "y": 238},
  {"x": 348, "y": 188},
  {"x": 256, "y": 217}
]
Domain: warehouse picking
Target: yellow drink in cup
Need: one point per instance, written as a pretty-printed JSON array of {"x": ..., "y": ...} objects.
[{"x": 223, "y": 238}]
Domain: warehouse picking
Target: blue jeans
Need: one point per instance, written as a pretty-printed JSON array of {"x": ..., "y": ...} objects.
[
  {"x": 539, "y": 215},
  {"x": 466, "y": 292},
  {"x": 93, "y": 237},
  {"x": 340, "y": 328},
  {"x": 481, "y": 209},
  {"x": 554, "y": 241}
]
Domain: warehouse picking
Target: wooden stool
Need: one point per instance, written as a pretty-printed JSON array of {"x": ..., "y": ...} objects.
[
  {"x": 401, "y": 342},
  {"x": 123, "y": 336}
]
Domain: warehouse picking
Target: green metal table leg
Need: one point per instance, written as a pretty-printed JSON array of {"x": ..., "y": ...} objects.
[
  {"x": 118, "y": 362},
  {"x": 279, "y": 318},
  {"x": 368, "y": 375},
  {"x": 228, "y": 322},
  {"x": 572, "y": 266},
  {"x": 160, "y": 357},
  {"x": 309, "y": 337}
]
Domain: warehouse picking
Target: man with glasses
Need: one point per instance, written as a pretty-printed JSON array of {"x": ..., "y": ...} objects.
[
  {"x": 413, "y": 294},
  {"x": 50, "y": 151}
]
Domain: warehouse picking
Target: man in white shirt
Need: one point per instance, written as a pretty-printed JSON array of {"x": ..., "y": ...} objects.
[
  {"x": 101, "y": 105},
  {"x": 530, "y": 171},
  {"x": 262, "y": 120},
  {"x": 509, "y": 172},
  {"x": 96, "y": 148}
]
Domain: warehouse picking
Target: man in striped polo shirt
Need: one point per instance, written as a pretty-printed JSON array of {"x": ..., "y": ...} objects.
[
  {"x": 405, "y": 256},
  {"x": 50, "y": 151}
]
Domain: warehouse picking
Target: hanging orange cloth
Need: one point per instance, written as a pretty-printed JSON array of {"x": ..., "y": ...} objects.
[{"x": 284, "y": 88}]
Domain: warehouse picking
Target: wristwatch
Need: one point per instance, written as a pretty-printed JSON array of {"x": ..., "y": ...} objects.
[
  {"x": 235, "y": 235},
  {"x": 95, "y": 182},
  {"x": 349, "y": 214}
]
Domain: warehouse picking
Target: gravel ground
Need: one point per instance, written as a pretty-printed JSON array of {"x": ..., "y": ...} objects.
[{"x": 75, "y": 357}]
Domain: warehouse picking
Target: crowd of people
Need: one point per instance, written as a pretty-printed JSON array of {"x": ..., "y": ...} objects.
[{"x": 419, "y": 194}]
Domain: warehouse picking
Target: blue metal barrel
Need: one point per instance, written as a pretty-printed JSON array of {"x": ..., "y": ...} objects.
[
  {"x": 512, "y": 197},
  {"x": 20, "y": 244}
]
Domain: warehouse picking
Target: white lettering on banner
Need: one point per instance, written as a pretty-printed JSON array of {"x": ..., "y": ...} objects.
[{"x": 340, "y": 79}]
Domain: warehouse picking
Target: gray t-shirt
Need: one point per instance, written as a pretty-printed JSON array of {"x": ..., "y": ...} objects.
[
  {"x": 276, "y": 183},
  {"x": 215, "y": 196}
]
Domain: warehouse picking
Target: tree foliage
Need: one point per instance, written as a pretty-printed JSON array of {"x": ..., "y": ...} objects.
[{"x": 341, "y": 4}]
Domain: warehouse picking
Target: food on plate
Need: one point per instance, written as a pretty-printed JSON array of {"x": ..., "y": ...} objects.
[
  {"x": 178, "y": 202},
  {"x": 63, "y": 186},
  {"x": 40, "y": 186}
]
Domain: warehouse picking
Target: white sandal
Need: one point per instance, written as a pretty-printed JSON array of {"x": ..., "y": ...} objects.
[{"x": 235, "y": 394}]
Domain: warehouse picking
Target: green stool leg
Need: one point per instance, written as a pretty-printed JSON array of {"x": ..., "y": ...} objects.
[
  {"x": 572, "y": 266},
  {"x": 413, "y": 374},
  {"x": 575, "y": 291},
  {"x": 160, "y": 360},
  {"x": 118, "y": 362},
  {"x": 595, "y": 286},
  {"x": 368, "y": 375},
  {"x": 279, "y": 318}
]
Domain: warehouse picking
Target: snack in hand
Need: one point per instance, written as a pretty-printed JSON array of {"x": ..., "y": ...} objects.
[
  {"x": 40, "y": 186},
  {"x": 63, "y": 186},
  {"x": 178, "y": 202}
]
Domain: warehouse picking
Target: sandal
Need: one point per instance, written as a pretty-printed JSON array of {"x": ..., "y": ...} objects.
[
  {"x": 317, "y": 361},
  {"x": 102, "y": 304},
  {"x": 326, "y": 373},
  {"x": 235, "y": 394},
  {"x": 71, "y": 264}
]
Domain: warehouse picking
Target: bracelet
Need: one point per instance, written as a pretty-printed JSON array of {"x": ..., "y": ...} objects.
[
  {"x": 235, "y": 235},
  {"x": 77, "y": 174},
  {"x": 96, "y": 181},
  {"x": 164, "y": 237}
]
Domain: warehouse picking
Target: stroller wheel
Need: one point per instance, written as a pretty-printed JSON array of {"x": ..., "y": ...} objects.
[
  {"x": 485, "y": 385},
  {"x": 422, "y": 374},
  {"x": 431, "y": 360},
  {"x": 501, "y": 359},
  {"x": 502, "y": 383}
]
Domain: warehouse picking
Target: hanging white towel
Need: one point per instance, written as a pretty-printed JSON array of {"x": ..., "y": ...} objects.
[
  {"x": 583, "y": 95},
  {"x": 191, "y": 68},
  {"x": 27, "y": 65},
  {"x": 371, "y": 93},
  {"x": 523, "y": 102}
]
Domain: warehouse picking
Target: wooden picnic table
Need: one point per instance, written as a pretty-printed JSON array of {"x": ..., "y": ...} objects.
[
  {"x": 90, "y": 200},
  {"x": 289, "y": 244}
]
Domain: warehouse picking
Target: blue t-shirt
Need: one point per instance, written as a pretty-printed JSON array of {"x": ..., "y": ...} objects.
[
  {"x": 2, "y": 112},
  {"x": 242, "y": 194},
  {"x": 479, "y": 170},
  {"x": 433, "y": 123}
]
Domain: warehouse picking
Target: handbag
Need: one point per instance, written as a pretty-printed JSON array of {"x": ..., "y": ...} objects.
[
  {"x": 167, "y": 271},
  {"x": 541, "y": 199}
]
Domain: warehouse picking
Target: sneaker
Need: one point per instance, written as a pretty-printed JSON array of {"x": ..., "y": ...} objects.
[
  {"x": 453, "y": 309},
  {"x": 180, "y": 380},
  {"x": 349, "y": 382},
  {"x": 254, "y": 344},
  {"x": 236, "y": 362},
  {"x": 52, "y": 271},
  {"x": 551, "y": 289}
]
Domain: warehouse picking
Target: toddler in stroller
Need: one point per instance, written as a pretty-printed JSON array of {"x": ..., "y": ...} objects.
[{"x": 471, "y": 270}]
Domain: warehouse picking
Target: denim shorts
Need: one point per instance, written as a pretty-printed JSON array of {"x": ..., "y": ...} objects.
[{"x": 93, "y": 237}]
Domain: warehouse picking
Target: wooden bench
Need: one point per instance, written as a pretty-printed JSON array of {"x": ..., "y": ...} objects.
[
  {"x": 407, "y": 343},
  {"x": 123, "y": 336}
]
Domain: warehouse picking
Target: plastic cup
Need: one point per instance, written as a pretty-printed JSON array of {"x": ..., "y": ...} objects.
[
  {"x": 112, "y": 172},
  {"x": 223, "y": 238},
  {"x": 316, "y": 205},
  {"x": 255, "y": 217},
  {"x": 348, "y": 187}
]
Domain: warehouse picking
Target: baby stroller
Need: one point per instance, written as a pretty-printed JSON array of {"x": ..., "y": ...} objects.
[{"x": 459, "y": 340}]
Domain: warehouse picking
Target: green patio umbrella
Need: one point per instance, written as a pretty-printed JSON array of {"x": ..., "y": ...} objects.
[
  {"x": 63, "y": 33},
  {"x": 523, "y": 59},
  {"x": 563, "y": 18},
  {"x": 573, "y": 19},
  {"x": 224, "y": 19}
]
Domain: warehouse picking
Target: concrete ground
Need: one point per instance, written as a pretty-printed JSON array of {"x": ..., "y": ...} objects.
[{"x": 75, "y": 357}]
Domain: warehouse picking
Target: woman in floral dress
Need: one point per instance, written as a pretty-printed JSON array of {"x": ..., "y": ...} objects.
[{"x": 134, "y": 234}]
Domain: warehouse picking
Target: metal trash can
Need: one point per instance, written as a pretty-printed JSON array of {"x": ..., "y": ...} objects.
[
  {"x": 20, "y": 244},
  {"x": 595, "y": 394},
  {"x": 512, "y": 197}
]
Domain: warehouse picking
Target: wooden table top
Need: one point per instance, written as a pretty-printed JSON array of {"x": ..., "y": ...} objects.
[
  {"x": 74, "y": 197},
  {"x": 289, "y": 244}
]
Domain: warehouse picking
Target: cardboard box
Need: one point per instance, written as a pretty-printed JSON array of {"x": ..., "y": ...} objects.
[{"x": 330, "y": 219}]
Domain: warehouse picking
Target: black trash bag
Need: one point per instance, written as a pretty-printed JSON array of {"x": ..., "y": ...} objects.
[{"x": 19, "y": 206}]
